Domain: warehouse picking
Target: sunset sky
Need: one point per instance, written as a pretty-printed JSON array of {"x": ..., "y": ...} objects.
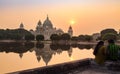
[{"x": 85, "y": 16}]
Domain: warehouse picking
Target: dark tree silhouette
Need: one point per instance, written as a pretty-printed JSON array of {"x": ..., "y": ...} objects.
[
  {"x": 88, "y": 38},
  {"x": 74, "y": 38},
  {"x": 81, "y": 38},
  {"x": 39, "y": 37},
  {"x": 108, "y": 34},
  {"x": 29, "y": 37},
  {"x": 85, "y": 38},
  {"x": 105, "y": 31},
  {"x": 54, "y": 37},
  {"x": 13, "y": 34},
  {"x": 65, "y": 36}
]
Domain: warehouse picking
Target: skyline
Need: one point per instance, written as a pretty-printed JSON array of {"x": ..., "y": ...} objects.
[{"x": 85, "y": 16}]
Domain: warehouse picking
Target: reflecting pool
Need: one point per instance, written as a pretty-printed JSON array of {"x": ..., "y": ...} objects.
[{"x": 15, "y": 56}]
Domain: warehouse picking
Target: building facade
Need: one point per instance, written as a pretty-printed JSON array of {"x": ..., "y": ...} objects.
[{"x": 46, "y": 29}]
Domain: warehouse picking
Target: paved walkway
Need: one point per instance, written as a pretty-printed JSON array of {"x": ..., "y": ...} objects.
[{"x": 109, "y": 68}]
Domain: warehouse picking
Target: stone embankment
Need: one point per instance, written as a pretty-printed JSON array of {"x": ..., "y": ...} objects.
[
  {"x": 85, "y": 66},
  {"x": 58, "y": 68}
]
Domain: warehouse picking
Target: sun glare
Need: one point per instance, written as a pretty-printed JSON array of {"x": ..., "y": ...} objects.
[
  {"x": 72, "y": 22},
  {"x": 71, "y": 58}
]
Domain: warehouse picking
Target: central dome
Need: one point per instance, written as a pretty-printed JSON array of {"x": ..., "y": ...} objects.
[{"x": 47, "y": 23}]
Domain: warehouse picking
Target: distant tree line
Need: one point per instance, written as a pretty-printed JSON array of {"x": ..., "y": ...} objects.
[
  {"x": 107, "y": 34},
  {"x": 56, "y": 37},
  {"x": 22, "y": 34},
  {"x": 67, "y": 37},
  {"x": 15, "y": 34}
]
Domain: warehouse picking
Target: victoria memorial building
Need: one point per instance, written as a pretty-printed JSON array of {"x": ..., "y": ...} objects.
[{"x": 46, "y": 29}]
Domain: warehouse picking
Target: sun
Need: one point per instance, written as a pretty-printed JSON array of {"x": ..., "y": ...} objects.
[{"x": 72, "y": 22}]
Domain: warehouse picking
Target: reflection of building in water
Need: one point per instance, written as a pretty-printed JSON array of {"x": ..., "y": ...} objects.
[
  {"x": 32, "y": 49},
  {"x": 38, "y": 53},
  {"x": 46, "y": 29},
  {"x": 20, "y": 55},
  {"x": 59, "y": 51},
  {"x": 70, "y": 52},
  {"x": 44, "y": 53},
  {"x": 47, "y": 54}
]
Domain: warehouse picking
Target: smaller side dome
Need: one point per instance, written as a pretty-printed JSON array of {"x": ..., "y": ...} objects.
[
  {"x": 59, "y": 31},
  {"x": 39, "y": 23},
  {"x": 21, "y": 26},
  {"x": 70, "y": 31}
]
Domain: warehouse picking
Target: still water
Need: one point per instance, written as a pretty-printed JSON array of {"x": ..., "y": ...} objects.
[{"x": 20, "y": 56}]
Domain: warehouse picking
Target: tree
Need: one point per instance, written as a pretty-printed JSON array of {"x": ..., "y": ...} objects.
[
  {"x": 74, "y": 38},
  {"x": 15, "y": 37},
  {"x": 118, "y": 35},
  {"x": 109, "y": 36},
  {"x": 54, "y": 37},
  {"x": 88, "y": 38},
  {"x": 65, "y": 36},
  {"x": 13, "y": 34},
  {"x": 81, "y": 38},
  {"x": 29, "y": 37},
  {"x": 85, "y": 38},
  {"x": 105, "y": 31},
  {"x": 39, "y": 37}
]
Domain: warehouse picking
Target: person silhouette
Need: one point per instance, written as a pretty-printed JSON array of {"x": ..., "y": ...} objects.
[
  {"x": 112, "y": 51},
  {"x": 99, "y": 52}
]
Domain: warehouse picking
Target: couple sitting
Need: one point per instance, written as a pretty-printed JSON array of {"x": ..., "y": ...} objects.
[{"x": 103, "y": 53}]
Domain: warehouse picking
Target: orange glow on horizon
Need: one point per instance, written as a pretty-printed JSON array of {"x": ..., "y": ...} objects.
[{"x": 88, "y": 19}]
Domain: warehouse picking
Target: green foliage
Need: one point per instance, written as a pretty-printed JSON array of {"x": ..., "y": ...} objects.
[
  {"x": 74, "y": 38},
  {"x": 88, "y": 38},
  {"x": 81, "y": 38},
  {"x": 54, "y": 37},
  {"x": 118, "y": 37},
  {"x": 39, "y": 37},
  {"x": 109, "y": 36},
  {"x": 65, "y": 36},
  {"x": 29, "y": 37},
  {"x": 85, "y": 38},
  {"x": 105, "y": 31},
  {"x": 13, "y": 34}
]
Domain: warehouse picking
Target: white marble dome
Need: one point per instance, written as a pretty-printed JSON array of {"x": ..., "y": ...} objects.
[{"x": 47, "y": 24}]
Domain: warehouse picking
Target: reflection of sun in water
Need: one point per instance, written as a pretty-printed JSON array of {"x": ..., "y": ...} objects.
[
  {"x": 71, "y": 58},
  {"x": 72, "y": 22}
]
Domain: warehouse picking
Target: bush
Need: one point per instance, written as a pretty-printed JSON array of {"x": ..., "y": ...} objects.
[{"x": 39, "y": 37}]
